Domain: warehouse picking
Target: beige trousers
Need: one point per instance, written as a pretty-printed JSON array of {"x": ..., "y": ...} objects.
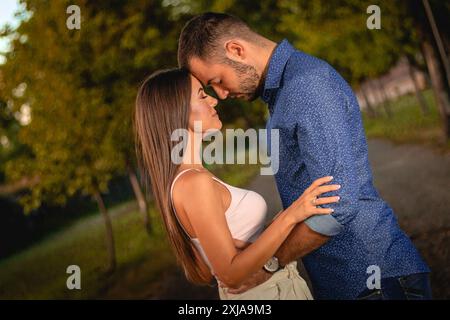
[{"x": 285, "y": 284}]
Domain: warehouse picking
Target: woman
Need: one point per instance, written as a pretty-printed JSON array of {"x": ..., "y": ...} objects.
[{"x": 215, "y": 229}]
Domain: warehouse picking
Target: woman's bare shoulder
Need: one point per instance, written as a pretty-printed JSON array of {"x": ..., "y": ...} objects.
[{"x": 193, "y": 184}]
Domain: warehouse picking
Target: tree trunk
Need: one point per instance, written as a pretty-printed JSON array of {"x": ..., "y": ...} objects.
[
  {"x": 110, "y": 247},
  {"x": 447, "y": 45},
  {"x": 439, "y": 87},
  {"x": 370, "y": 110},
  {"x": 435, "y": 69},
  {"x": 384, "y": 98},
  {"x": 438, "y": 40},
  {"x": 142, "y": 203},
  {"x": 375, "y": 93},
  {"x": 422, "y": 104}
]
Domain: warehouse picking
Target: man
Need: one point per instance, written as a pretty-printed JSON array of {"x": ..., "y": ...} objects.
[{"x": 321, "y": 134}]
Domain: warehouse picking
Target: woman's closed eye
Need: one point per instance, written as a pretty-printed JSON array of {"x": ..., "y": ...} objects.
[{"x": 202, "y": 94}]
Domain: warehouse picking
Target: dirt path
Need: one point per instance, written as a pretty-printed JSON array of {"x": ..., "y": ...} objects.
[{"x": 414, "y": 180}]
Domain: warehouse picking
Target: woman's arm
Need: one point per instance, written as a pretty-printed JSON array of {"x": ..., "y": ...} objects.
[{"x": 205, "y": 212}]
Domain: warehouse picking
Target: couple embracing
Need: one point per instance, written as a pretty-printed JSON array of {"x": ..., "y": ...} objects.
[{"x": 333, "y": 217}]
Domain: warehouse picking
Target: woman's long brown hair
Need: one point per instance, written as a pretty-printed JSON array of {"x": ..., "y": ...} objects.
[{"x": 162, "y": 105}]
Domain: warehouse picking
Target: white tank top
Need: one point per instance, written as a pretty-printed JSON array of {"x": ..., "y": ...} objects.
[{"x": 245, "y": 216}]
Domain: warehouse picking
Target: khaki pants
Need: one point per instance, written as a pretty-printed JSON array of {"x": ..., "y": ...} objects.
[{"x": 285, "y": 284}]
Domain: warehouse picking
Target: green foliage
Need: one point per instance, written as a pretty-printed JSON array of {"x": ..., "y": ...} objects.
[
  {"x": 9, "y": 127},
  {"x": 80, "y": 86},
  {"x": 336, "y": 32}
]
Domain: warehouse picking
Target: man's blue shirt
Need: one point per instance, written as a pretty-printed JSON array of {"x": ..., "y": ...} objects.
[{"x": 321, "y": 134}]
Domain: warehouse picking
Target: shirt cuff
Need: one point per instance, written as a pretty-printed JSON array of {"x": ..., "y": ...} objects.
[{"x": 324, "y": 224}]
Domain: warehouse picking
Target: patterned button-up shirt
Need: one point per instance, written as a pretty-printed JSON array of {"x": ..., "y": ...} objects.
[{"x": 321, "y": 134}]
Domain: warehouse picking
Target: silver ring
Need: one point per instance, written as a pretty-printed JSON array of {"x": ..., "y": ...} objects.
[{"x": 313, "y": 201}]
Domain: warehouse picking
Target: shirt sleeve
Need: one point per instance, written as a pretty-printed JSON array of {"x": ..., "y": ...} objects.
[{"x": 324, "y": 137}]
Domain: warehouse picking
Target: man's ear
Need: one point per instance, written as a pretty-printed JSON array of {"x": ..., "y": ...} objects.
[{"x": 235, "y": 50}]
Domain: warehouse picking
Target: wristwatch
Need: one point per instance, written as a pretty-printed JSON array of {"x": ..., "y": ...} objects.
[{"x": 272, "y": 265}]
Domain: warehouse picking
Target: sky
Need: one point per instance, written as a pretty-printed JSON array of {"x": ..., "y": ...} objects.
[{"x": 7, "y": 10}]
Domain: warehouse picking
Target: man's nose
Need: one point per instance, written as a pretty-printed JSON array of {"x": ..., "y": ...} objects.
[{"x": 221, "y": 93}]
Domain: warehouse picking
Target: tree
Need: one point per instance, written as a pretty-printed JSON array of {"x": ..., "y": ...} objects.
[
  {"x": 412, "y": 73},
  {"x": 336, "y": 32},
  {"x": 80, "y": 89},
  {"x": 435, "y": 66}
]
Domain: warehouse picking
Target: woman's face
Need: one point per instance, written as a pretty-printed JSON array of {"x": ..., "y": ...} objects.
[{"x": 203, "y": 108}]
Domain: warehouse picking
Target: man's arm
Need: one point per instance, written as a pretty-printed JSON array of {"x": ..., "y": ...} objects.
[
  {"x": 325, "y": 141},
  {"x": 301, "y": 241}
]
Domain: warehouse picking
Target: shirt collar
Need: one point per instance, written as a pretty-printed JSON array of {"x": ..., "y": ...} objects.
[{"x": 277, "y": 62}]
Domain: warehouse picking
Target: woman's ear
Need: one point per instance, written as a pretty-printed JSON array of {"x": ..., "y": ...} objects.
[{"x": 235, "y": 50}]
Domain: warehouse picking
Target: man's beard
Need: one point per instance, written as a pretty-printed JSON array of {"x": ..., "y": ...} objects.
[{"x": 250, "y": 85}]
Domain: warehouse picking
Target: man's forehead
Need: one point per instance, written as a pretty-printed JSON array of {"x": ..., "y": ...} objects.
[{"x": 202, "y": 70}]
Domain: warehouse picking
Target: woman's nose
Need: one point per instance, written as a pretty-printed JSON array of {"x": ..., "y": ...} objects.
[{"x": 214, "y": 102}]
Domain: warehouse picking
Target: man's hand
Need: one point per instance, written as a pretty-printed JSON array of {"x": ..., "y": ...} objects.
[{"x": 254, "y": 280}]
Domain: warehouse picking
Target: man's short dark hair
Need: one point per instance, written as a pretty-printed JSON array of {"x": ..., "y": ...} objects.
[{"x": 203, "y": 35}]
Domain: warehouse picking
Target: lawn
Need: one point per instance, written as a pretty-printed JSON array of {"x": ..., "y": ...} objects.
[
  {"x": 39, "y": 272},
  {"x": 408, "y": 124}
]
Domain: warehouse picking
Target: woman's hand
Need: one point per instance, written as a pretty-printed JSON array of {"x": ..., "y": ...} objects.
[{"x": 307, "y": 204}]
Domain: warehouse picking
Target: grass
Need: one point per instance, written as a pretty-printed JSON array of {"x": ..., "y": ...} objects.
[
  {"x": 39, "y": 272},
  {"x": 408, "y": 124}
]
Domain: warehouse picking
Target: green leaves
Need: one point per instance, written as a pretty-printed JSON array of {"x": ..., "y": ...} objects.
[
  {"x": 336, "y": 32},
  {"x": 80, "y": 86}
]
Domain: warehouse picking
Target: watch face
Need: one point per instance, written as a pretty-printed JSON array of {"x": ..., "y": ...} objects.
[{"x": 272, "y": 265}]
